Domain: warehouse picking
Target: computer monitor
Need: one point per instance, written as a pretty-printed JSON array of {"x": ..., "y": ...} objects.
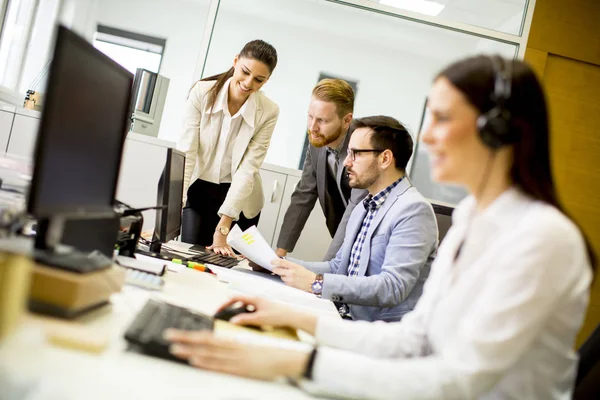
[
  {"x": 148, "y": 101},
  {"x": 170, "y": 194},
  {"x": 80, "y": 139}
]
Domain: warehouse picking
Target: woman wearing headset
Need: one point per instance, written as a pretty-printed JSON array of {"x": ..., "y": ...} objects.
[
  {"x": 228, "y": 125},
  {"x": 507, "y": 292}
]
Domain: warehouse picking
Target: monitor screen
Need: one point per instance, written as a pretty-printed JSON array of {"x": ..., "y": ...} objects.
[
  {"x": 170, "y": 194},
  {"x": 175, "y": 195},
  {"x": 82, "y": 131}
]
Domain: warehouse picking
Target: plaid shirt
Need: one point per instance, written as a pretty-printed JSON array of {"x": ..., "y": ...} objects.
[{"x": 372, "y": 205}]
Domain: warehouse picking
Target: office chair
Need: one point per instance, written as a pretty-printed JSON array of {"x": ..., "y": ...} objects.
[
  {"x": 443, "y": 216},
  {"x": 587, "y": 384}
]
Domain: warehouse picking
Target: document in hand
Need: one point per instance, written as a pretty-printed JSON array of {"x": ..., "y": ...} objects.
[{"x": 251, "y": 244}]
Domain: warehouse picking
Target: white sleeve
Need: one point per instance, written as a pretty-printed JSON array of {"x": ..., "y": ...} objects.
[{"x": 509, "y": 310}]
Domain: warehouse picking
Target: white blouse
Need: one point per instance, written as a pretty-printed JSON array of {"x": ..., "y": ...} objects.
[
  {"x": 220, "y": 148},
  {"x": 499, "y": 323},
  {"x": 228, "y": 126}
]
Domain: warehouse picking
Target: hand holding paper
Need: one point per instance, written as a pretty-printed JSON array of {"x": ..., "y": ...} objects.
[{"x": 252, "y": 245}]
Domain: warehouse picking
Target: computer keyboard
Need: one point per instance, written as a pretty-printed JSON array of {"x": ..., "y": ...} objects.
[
  {"x": 143, "y": 279},
  {"x": 145, "y": 334},
  {"x": 208, "y": 257},
  {"x": 202, "y": 255}
]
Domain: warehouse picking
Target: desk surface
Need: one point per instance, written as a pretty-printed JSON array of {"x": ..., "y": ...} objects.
[{"x": 28, "y": 360}]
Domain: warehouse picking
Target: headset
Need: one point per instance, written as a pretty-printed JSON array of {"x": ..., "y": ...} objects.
[{"x": 494, "y": 126}]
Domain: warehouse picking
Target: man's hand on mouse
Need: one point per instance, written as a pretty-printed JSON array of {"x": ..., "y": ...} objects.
[{"x": 293, "y": 274}]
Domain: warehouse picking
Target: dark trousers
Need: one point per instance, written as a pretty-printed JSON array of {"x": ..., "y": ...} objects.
[{"x": 200, "y": 214}]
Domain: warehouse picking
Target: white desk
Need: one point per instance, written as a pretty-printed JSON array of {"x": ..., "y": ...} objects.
[{"x": 51, "y": 372}]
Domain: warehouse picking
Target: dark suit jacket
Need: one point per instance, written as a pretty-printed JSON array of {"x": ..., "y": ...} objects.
[{"x": 313, "y": 186}]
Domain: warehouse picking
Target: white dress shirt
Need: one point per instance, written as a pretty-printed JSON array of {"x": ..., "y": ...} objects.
[
  {"x": 210, "y": 145},
  {"x": 229, "y": 127},
  {"x": 499, "y": 323}
]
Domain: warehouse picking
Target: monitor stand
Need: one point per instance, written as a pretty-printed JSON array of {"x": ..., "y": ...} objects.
[
  {"x": 155, "y": 246},
  {"x": 48, "y": 250}
]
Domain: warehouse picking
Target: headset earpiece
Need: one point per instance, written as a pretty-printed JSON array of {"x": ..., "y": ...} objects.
[{"x": 495, "y": 128}]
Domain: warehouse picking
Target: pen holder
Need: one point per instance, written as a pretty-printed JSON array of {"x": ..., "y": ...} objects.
[{"x": 15, "y": 274}]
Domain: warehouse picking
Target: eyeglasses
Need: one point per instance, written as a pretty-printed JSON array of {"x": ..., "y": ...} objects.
[{"x": 353, "y": 152}]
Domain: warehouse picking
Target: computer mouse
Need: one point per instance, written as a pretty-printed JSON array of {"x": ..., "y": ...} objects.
[{"x": 235, "y": 309}]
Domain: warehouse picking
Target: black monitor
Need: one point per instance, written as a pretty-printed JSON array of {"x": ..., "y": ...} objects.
[
  {"x": 81, "y": 137},
  {"x": 170, "y": 194}
]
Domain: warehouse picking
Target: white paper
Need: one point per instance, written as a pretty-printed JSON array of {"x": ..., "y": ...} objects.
[{"x": 251, "y": 244}]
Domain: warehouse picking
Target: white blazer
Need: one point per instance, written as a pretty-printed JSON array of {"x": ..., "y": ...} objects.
[
  {"x": 199, "y": 138},
  {"x": 499, "y": 323}
]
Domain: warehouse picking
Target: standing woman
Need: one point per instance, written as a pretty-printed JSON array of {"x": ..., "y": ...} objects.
[
  {"x": 507, "y": 292},
  {"x": 228, "y": 125}
]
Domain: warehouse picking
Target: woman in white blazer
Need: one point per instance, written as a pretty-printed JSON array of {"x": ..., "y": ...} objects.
[
  {"x": 228, "y": 125},
  {"x": 507, "y": 292}
]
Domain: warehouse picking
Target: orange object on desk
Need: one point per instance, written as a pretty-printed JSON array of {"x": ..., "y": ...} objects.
[{"x": 199, "y": 267}]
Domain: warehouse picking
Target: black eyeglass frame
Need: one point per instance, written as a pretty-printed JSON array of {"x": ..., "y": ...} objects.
[{"x": 352, "y": 152}]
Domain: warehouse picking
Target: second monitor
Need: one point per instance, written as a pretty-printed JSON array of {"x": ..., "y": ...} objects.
[{"x": 170, "y": 194}]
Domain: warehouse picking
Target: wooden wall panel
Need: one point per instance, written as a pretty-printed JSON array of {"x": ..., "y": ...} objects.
[
  {"x": 537, "y": 59},
  {"x": 568, "y": 28},
  {"x": 573, "y": 91}
]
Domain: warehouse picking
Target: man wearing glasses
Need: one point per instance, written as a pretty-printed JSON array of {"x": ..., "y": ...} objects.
[{"x": 390, "y": 239}]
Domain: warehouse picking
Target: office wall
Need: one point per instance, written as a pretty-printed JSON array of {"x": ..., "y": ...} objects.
[
  {"x": 393, "y": 60},
  {"x": 180, "y": 22},
  {"x": 564, "y": 49},
  {"x": 303, "y": 54}
]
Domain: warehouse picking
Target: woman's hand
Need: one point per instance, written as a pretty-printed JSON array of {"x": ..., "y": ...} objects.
[
  {"x": 220, "y": 245},
  {"x": 203, "y": 350},
  {"x": 266, "y": 312},
  {"x": 272, "y": 314}
]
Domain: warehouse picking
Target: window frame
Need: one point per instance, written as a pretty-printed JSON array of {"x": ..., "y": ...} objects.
[{"x": 130, "y": 39}]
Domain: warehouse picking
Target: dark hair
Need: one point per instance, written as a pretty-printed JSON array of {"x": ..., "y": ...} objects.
[
  {"x": 257, "y": 50},
  {"x": 388, "y": 133},
  {"x": 531, "y": 170}
]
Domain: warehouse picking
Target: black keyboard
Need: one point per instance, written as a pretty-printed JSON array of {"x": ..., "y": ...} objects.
[
  {"x": 208, "y": 257},
  {"x": 145, "y": 334},
  {"x": 204, "y": 256}
]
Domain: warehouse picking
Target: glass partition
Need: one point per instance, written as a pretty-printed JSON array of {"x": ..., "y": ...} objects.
[
  {"x": 392, "y": 61},
  {"x": 500, "y": 15}
]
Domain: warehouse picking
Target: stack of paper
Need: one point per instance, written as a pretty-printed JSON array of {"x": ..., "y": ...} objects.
[{"x": 252, "y": 245}]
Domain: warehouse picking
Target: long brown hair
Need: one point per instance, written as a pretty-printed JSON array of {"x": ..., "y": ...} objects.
[
  {"x": 257, "y": 50},
  {"x": 531, "y": 171}
]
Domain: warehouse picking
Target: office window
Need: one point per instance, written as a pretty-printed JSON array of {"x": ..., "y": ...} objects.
[
  {"x": 26, "y": 37},
  {"x": 500, "y": 15},
  {"x": 16, "y": 29},
  {"x": 131, "y": 50}
]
